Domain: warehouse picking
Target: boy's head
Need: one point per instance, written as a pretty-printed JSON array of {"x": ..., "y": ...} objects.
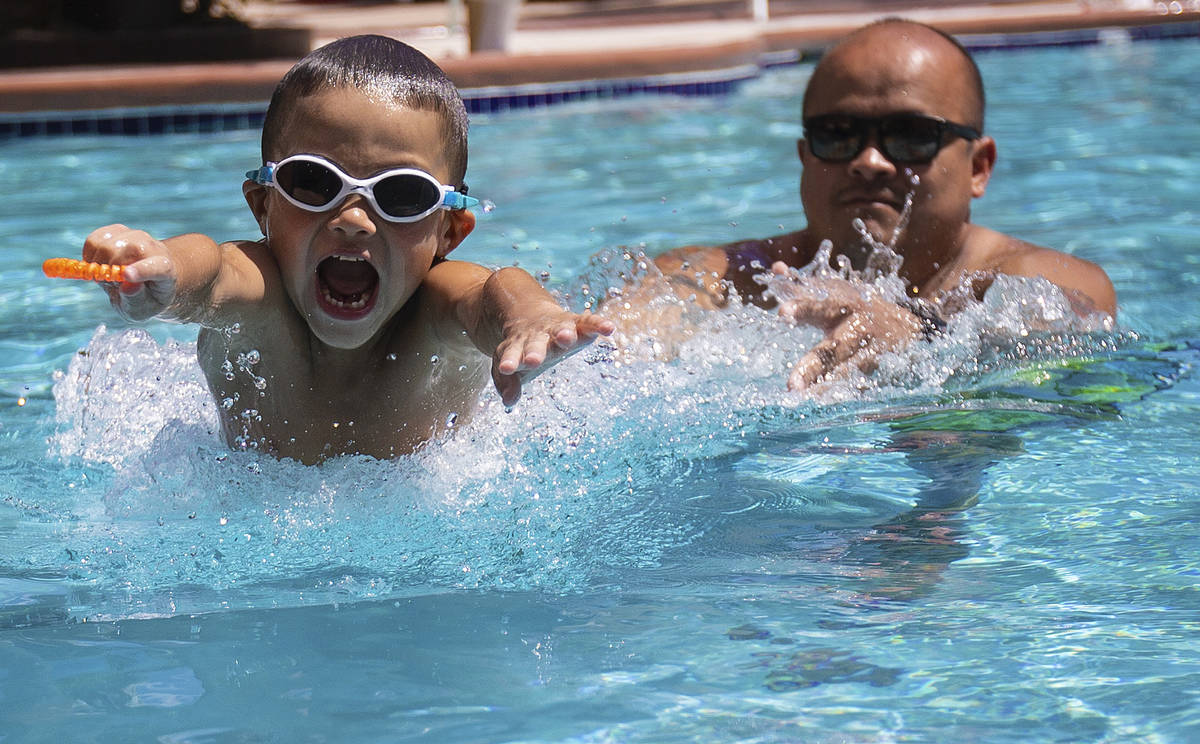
[
  {"x": 376, "y": 66},
  {"x": 376, "y": 119}
]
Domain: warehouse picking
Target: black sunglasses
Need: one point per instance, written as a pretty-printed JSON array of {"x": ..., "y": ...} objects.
[{"x": 903, "y": 138}]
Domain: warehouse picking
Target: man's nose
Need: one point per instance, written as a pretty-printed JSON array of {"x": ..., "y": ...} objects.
[{"x": 870, "y": 162}]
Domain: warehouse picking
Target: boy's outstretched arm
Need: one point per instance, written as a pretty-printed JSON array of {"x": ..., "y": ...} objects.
[
  {"x": 187, "y": 277},
  {"x": 513, "y": 319}
]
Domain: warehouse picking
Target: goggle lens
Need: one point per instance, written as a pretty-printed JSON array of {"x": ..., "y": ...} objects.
[
  {"x": 309, "y": 182},
  {"x": 406, "y": 195}
]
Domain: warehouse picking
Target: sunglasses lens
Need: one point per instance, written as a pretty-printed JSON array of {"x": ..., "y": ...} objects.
[
  {"x": 308, "y": 182},
  {"x": 911, "y": 139},
  {"x": 834, "y": 138},
  {"x": 406, "y": 195}
]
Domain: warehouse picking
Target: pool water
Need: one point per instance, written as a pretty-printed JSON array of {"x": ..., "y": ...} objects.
[{"x": 990, "y": 542}]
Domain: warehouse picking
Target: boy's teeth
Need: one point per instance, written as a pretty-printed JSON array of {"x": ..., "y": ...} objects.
[{"x": 358, "y": 304}]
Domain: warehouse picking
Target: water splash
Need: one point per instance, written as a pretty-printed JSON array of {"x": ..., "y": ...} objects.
[{"x": 614, "y": 461}]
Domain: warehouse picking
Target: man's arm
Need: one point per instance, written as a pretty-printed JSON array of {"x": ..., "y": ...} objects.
[
  {"x": 508, "y": 316},
  {"x": 658, "y": 304}
]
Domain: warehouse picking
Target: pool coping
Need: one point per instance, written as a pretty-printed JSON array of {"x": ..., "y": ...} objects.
[{"x": 139, "y": 99}]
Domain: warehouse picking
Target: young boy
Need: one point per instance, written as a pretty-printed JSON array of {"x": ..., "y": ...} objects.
[{"x": 344, "y": 330}]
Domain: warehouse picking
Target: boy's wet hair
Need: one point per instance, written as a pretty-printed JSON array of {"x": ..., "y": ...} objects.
[{"x": 376, "y": 66}]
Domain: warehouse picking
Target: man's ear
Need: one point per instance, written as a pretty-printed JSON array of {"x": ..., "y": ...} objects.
[
  {"x": 983, "y": 160},
  {"x": 256, "y": 197},
  {"x": 457, "y": 225},
  {"x": 801, "y": 149}
]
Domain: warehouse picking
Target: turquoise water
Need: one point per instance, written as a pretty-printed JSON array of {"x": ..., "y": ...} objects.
[{"x": 992, "y": 543}]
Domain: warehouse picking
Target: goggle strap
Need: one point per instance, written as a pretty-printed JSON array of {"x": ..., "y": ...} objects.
[
  {"x": 262, "y": 175},
  {"x": 456, "y": 200}
]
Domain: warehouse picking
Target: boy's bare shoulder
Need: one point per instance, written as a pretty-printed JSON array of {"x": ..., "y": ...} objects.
[{"x": 255, "y": 312}]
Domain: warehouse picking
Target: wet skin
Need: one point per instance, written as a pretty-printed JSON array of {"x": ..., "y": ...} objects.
[
  {"x": 375, "y": 379},
  {"x": 341, "y": 332},
  {"x": 890, "y": 68}
]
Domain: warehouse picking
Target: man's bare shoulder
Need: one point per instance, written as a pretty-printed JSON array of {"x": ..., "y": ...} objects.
[
  {"x": 715, "y": 268},
  {"x": 692, "y": 260},
  {"x": 694, "y": 271},
  {"x": 1087, "y": 285}
]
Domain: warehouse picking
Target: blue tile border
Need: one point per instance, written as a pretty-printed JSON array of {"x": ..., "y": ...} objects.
[
  {"x": 705, "y": 83},
  {"x": 1080, "y": 37},
  {"x": 229, "y": 117},
  {"x": 133, "y": 121},
  {"x": 225, "y": 117}
]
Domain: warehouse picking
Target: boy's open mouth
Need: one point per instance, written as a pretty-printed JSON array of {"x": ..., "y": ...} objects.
[{"x": 346, "y": 286}]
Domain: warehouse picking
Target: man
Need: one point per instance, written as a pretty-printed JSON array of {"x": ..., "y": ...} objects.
[{"x": 892, "y": 154}]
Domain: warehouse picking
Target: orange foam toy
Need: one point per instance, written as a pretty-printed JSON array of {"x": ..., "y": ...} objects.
[{"x": 71, "y": 268}]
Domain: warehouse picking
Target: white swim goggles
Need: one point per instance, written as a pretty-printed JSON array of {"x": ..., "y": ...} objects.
[{"x": 317, "y": 184}]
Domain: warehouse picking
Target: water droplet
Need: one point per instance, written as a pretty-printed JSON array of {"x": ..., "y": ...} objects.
[
  {"x": 391, "y": 357},
  {"x": 451, "y": 420},
  {"x": 488, "y": 205},
  {"x": 434, "y": 359}
]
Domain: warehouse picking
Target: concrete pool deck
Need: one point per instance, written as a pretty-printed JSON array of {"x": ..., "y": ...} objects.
[{"x": 555, "y": 43}]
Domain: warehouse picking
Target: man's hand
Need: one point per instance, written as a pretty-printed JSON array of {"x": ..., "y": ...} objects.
[{"x": 859, "y": 325}]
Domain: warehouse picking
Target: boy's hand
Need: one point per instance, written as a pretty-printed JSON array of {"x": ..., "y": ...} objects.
[
  {"x": 150, "y": 277},
  {"x": 535, "y": 342},
  {"x": 859, "y": 325}
]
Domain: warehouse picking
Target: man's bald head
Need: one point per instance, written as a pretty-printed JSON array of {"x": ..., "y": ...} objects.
[{"x": 895, "y": 42}]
